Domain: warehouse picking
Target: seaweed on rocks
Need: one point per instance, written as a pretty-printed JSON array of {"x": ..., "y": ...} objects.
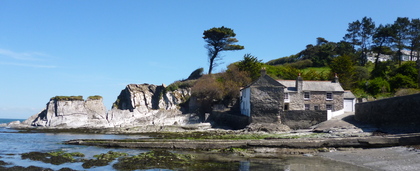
[
  {"x": 56, "y": 158},
  {"x": 154, "y": 159},
  {"x": 102, "y": 159},
  {"x": 20, "y": 168}
]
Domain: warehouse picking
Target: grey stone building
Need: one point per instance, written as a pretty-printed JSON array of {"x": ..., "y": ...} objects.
[
  {"x": 313, "y": 95},
  {"x": 262, "y": 100},
  {"x": 268, "y": 98}
]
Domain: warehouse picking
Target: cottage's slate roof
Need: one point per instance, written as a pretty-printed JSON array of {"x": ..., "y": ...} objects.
[
  {"x": 265, "y": 80},
  {"x": 312, "y": 86},
  {"x": 349, "y": 95}
]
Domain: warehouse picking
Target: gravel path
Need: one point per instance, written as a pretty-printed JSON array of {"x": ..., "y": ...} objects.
[{"x": 389, "y": 159}]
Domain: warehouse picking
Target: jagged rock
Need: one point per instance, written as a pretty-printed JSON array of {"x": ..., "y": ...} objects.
[
  {"x": 72, "y": 114},
  {"x": 137, "y": 105}
]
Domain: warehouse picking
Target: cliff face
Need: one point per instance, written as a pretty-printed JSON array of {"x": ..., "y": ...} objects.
[
  {"x": 72, "y": 113},
  {"x": 137, "y": 105},
  {"x": 144, "y": 104}
]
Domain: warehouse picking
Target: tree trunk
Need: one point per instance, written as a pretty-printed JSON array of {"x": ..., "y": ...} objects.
[{"x": 212, "y": 58}]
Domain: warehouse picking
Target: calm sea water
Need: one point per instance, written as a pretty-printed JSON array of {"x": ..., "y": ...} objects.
[
  {"x": 13, "y": 144},
  {"x": 10, "y": 120}
]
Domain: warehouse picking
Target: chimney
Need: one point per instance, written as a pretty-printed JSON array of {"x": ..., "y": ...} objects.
[
  {"x": 263, "y": 71},
  {"x": 299, "y": 83},
  {"x": 335, "y": 78}
]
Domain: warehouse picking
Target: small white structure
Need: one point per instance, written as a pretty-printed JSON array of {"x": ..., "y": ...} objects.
[{"x": 349, "y": 101}]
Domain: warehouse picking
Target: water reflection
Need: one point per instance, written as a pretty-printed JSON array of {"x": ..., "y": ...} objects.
[{"x": 13, "y": 144}]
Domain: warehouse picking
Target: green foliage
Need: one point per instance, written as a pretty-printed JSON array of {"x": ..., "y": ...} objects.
[
  {"x": 67, "y": 98},
  {"x": 381, "y": 70},
  {"x": 95, "y": 97},
  {"x": 377, "y": 86},
  {"x": 300, "y": 64},
  {"x": 180, "y": 84},
  {"x": 196, "y": 74},
  {"x": 402, "y": 81},
  {"x": 283, "y": 72},
  {"x": 313, "y": 74},
  {"x": 408, "y": 69},
  {"x": 361, "y": 73},
  {"x": 251, "y": 65},
  {"x": 283, "y": 60},
  {"x": 343, "y": 66},
  {"x": 219, "y": 39}
]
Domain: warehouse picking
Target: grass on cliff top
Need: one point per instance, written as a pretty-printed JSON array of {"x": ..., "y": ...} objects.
[
  {"x": 67, "y": 98},
  {"x": 95, "y": 97}
]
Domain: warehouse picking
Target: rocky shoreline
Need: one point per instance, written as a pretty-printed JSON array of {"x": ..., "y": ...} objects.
[{"x": 298, "y": 143}]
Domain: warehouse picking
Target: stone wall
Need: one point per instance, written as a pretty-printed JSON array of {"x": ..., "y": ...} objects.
[
  {"x": 227, "y": 120},
  {"x": 302, "y": 119},
  {"x": 317, "y": 98},
  {"x": 266, "y": 103},
  {"x": 397, "y": 113},
  {"x": 296, "y": 101}
]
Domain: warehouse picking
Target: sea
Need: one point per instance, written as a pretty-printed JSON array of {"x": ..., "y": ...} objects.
[{"x": 14, "y": 143}]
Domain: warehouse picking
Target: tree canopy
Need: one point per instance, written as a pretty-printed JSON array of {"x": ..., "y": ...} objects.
[{"x": 219, "y": 39}]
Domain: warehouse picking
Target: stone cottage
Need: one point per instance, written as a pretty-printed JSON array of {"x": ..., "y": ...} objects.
[
  {"x": 262, "y": 100},
  {"x": 269, "y": 98},
  {"x": 313, "y": 95}
]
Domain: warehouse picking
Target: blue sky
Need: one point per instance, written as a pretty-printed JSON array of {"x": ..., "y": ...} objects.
[{"x": 97, "y": 47}]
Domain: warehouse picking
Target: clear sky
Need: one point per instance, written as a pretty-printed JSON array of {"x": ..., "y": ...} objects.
[{"x": 97, "y": 47}]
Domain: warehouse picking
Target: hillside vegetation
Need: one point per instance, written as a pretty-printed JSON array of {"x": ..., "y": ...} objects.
[{"x": 355, "y": 60}]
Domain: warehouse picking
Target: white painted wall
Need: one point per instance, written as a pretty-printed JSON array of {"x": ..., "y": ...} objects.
[{"x": 246, "y": 101}]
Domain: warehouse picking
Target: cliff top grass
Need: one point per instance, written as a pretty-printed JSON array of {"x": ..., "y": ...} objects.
[
  {"x": 75, "y": 98},
  {"x": 67, "y": 98},
  {"x": 95, "y": 97}
]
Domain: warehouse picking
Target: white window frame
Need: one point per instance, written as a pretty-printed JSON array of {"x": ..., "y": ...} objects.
[
  {"x": 309, "y": 95},
  {"x": 286, "y": 97},
  {"x": 326, "y": 96}
]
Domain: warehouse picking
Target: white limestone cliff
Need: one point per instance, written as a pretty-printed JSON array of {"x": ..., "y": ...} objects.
[{"x": 137, "y": 105}]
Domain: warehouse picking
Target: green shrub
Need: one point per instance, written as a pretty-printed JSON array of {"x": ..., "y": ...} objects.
[
  {"x": 180, "y": 84},
  {"x": 95, "y": 97},
  {"x": 67, "y": 98},
  {"x": 196, "y": 74},
  {"x": 378, "y": 85},
  {"x": 402, "y": 81}
]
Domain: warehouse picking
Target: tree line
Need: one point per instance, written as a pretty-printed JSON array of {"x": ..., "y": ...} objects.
[{"x": 347, "y": 58}]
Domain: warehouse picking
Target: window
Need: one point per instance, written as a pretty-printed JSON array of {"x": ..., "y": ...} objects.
[
  {"x": 286, "y": 106},
  {"x": 307, "y": 106},
  {"x": 329, "y": 96},
  {"x": 316, "y": 107},
  {"x": 286, "y": 96},
  {"x": 306, "y": 96},
  {"x": 329, "y": 107}
]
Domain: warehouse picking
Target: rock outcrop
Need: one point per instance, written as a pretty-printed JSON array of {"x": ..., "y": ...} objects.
[
  {"x": 72, "y": 113},
  {"x": 137, "y": 105}
]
